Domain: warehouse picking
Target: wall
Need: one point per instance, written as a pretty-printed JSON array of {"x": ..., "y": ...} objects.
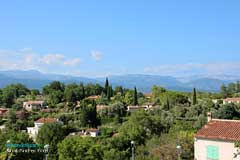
[{"x": 226, "y": 149}]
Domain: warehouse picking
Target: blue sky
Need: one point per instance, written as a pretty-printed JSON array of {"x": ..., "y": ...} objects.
[{"x": 97, "y": 38}]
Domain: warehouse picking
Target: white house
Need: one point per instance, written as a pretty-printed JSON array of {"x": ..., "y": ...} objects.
[
  {"x": 93, "y": 132},
  {"x": 216, "y": 140},
  {"x": 34, "y": 105},
  {"x": 33, "y": 131}
]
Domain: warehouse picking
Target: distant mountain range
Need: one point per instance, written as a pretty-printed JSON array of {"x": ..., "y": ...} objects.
[{"x": 36, "y": 79}]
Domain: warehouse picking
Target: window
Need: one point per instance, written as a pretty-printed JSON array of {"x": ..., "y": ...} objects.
[{"x": 212, "y": 153}]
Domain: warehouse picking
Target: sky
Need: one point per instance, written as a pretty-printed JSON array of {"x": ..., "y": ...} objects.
[{"x": 97, "y": 38}]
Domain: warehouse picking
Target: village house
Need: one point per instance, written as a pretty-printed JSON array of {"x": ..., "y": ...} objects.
[
  {"x": 101, "y": 107},
  {"x": 3, "y": 112},
  {"x": 33, "y": 131},
  {"x": 146, "y": 106},
  {"x": 92, "y": 132},
  {"x": 231, "y": 100},
  {"x": 34, "y": 105},
  {"x": 216, "y": 140}
]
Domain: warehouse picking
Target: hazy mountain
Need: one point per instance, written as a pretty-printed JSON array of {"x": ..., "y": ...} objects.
[{"x": 144, "y": 83}]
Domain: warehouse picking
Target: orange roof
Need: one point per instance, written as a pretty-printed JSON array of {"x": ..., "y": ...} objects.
[
  {"x": 93, "y": 97},
  {"x": 3, "y": 109},
  {"x": 100, "y": 107},
  {"x": 232, "y": 99},
  {"x": 46, "y": 120},
  {"x": 220, "y": 129},
  {"x": 148, "y": 94},
  {"x": 34, "y": 102},
  {"x": 93, "y": 130}
]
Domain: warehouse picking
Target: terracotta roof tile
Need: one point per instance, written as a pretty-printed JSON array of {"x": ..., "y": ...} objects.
[
  {"x": 46, "y": 120},
  {"x": 220, "y": 129},
  {"x": 232, "y": 99}
]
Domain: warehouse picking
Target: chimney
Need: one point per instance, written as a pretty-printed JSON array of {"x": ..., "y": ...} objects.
[{"x": 209, "y": 116}]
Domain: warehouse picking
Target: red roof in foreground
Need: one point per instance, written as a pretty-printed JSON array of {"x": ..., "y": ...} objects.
[
  {"x": 220, "y": 129},
  {"x": 46, "y": 120}
]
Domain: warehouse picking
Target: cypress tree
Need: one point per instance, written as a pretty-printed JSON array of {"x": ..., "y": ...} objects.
[
  {"x": 82, "y": 91},
  {"x": 109, "y": 93},
  {"x": 168, "y": 104},
  {"x": 135, "y": 102},
  {"x": 194, "y": 100},
  {"x": 238, "y": 87},
  {"x": 106, "y": 86}
]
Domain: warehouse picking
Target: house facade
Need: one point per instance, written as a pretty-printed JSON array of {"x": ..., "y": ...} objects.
[
  {"x": 216, "y": 140},
  {"x": 231, "y": 100},
  {"x": 34, "y": 105},
  {"x": 3, "y": 111},
  {"x": 33, "y": 131}
]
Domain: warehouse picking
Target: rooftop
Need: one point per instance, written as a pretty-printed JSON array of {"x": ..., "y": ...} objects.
[
  {"x": 232, "y": 99},
  {"x": 34, "y": 102},
  {"x": 221, "y": 130},
  {"x": 46, "y": 120}
]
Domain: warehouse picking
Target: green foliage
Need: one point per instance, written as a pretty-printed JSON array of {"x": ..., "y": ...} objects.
[
  {"x": 224, "y": 92},
  {"x": 79, "y": 148},
  {"x": 140, "y": 126},
  {"x": 194, "y": 99},
  {"x": 88, "y": 115},
  {"x": 228, "y": 111},
  {"x": 51, "y": 134},
  {"x": 17, "y": 138},
  {"x": 135, "y": 100},
  {"x": 106, "y": 86}
]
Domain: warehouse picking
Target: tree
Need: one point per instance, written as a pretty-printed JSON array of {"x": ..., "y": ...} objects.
[
  {"x": 106, "y": 86},
  {"x": 8, "y": 98},
  {"x": 224, "y": 92},
  {"x": 52, "y": 134},
  {"x": 135, "y": 101},
  {"x": 194, "y": 100},
  {"x": 157, "y": 91},
  {"x": 17, "y": 138},
  {"x": 232, "y": 88},
  {"x": 53, "y": 86},
  {"x": 109, "y": 92},
  {"x": 228, "y": 111},
  {"x": 238, "y": 87},
  {"x": 82, "y": 89},
  {"x": 119, "y": 89},
  {"x": 79, "y": 148},
  {"x": 88, "y": 114},
  {"x": 128, "y": 98}
]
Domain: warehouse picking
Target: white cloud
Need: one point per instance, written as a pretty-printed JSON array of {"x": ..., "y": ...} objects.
[
  {"x": 26, "y": 59},
  {"x": 72, "y": 62},
  {"x": 96, "y": 55},
  {"x": 53, "y": 58},
  {"x": 194, "y": 68}
]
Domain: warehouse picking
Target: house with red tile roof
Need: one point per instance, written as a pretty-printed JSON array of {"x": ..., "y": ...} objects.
[
  {"x": 33, "y": 131},
  {"x": 231, "y": 100},
  {"x": 34, "y": 105},
  {"x": 3, "y": 111},
  {"x": 216, "y": 140}
]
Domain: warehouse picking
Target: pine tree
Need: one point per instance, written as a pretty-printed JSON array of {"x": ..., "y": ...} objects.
[
  {"x": 135, "y": 102},
  {"x": 194, "y": 100}
]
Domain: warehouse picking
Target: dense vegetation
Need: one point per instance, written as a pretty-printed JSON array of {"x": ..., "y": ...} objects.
[{"x": 156, "y": 132}]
